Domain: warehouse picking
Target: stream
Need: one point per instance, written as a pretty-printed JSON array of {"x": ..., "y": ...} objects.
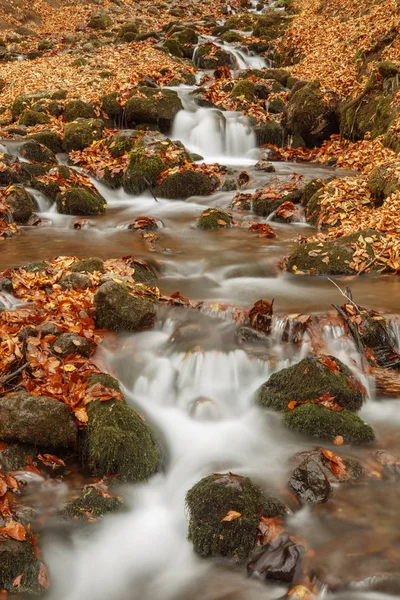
[{"x": 201, "y": 402}]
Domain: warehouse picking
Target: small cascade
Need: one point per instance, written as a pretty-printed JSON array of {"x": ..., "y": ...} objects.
[
  {"x": 242, "y": 58},
  {"x": 213, "y": 133}
]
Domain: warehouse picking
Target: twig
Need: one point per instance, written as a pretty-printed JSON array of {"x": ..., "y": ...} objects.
[
  {"x": 13, "y": 374},
  {"x": 342, "y": 292},
  {"x": 150, "y": 188},
  {"x": 356, "y": 336}
]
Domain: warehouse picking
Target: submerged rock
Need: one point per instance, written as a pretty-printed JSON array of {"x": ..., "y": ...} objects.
[
  {"x": 22, "y": 204},
  {"x": 279, "y": 560},
  {"x": 310, "y": 379},
  {"x": 211, "y": 499},
  {"x": 309, "y": 483},
  {"x": 320, "y": 422},
  {"x": 213, "y": 218},
  {"x": 37, "y": 420},
  {"x": 17, "y": 558},
  {"x": 91, "y": 503},
  {"x": 118, "y": 309}
]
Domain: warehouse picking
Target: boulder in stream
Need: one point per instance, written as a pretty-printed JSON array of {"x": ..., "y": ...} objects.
[
  {"x": 72, "y": 343},
  {"x": 90, "y": 504},
  {"x": 212, "y": 218},
  {"x": 119, "y": 307},
  {"x": 38, "y": 420},
  {"x": 88, "y": 265},
  {"x": 309, "y": 482},
  {"x": 310, "y": 379},
  {"x": 37, "y": 152},
  {"x": 182, "y": 185},
  {"x": 79, "y": 201},
  {"x": 116, "y": 439},
  {"x": 158, "y": 107},
  {"x": 224, "y": 514},
  {"x": 22, "y": 204},
  {"x": 17, "y": 558},
  {"x": 278, "y": 560}
]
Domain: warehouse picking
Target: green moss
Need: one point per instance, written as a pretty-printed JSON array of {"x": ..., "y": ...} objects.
[
  {"x": 17, "y": 558},
  {"x": 319, "y": 422},
  {"x": 22, "y": 204},
  {"x": 111, "y": 106},
  {"x": 106, "y": 380},
  {"x": 276, "y": 105},
  {"x": 51, "y": 140},
  {"x": 90, "y": 501},
  {"x": 244, "y": 88},
  {"x": 30, "y": 118},
  {"x": 311, "y": 188},
  {"x": 100, "y": 20},
  {"x": 309, "y": 116},
  {"x": 270, "y": 132},
  {"x": 279, "y": 75},
  {"x": 78, "y": 201},
  {"x": 242, "y": 21},
  {"x": 117, "y": 308},
  {"x": 80, "y": 62},
  {"x": 35, "y": 267},
  {"x": 266, "y": 206},
  {"x": 159, "y": 107},
  {"x": 183, "y": 185},
  {"x": 122, "y": 142},
  {"x": 142, "y": 171},
  {"x": 219, "y": 58},
  {"x": 388, "y": 69},
  {"x": 210, "y": 217},
  {"x": 208, "y": 502},
  {"x": 186, "y": 36},
  {"x": 117, "y": 440},
  {"x": 14, "y": 457},
  {"x": 77, "y": 136},
  {"x": 128, "y": 32},
  {"x": 269, "y": 26},
  {"x": 33, "y": 150},
  {"x": 24, "y": 102},
  {"x": 383, "y": 181},
  {"x": 309, "y": 380},
  {"x": 331, "y": 257},
  {"x": 88, "y": 265},
  {"x": 78, "y": 109},
  {"x": 174, "y": 47},
  {"x": 144, "y": 274},
  {"x": 231, "y": 37}
]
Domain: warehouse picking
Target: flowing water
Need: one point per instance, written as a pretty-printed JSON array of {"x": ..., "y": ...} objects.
[{"x": 201, "y": 402}]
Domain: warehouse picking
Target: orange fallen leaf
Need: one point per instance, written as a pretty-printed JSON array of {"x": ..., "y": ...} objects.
[
  {"x": 338, "y": 441},
  {"x": 43, "y": 576},
  {"x": 231, "y": 515},
  {"x": 14, "y": 530},
  {"x": 17, "y": 581},
  {"x": 336, "y": 463}
]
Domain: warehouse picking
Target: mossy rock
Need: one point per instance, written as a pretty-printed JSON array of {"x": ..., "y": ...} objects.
[
  {"x": 26, "y": 101},
  {"x": 118, "y": 441},
  {"x": 100, "y": 20},
  {"x": 50, "y": 139},
  {"x": 37, "y": 266},
  {"x": 332, "y": 257},
  {"x": 78, "y": 201},
  {"x": 242, "y": 21},
  {"x": 186, "y": 36},
  {"x": 219, "y": 58},
  {"x": 75, "y": 281},
  {"x": 183, "y": 185},
  {"x": 81, "y": 134},
  {"x": 122, "y": 142},
  {"x": 244, "y": 88},
  {"x": 310, "y": 379},
  {"x": 142, "y": 171},
  {"x": 159, "y": 108},
  {"x": 174, "y": 47},
  {"x": 88, "y": 265},
  {"x": 276, "y": 106},
  {"x": 16, "y": 456},
  {"x": 111, "y": 106},
  {"x": 128, "y": 32},
  {"x": 33, "y": 150},
  {"x": 270, "y": 132},
  {"x": 17, "y": 558},
  {"x": 209, "y": 501},
  {"x": 370, "y": 113},
  {"x": 383, "y": 181},
  {"x": 320, "y": 422},
  {"x": 77, "y": 109},
  {"x": 119, "y": 309},
  {"x": 22, "y": 204},
  {"x": 231, "y": 37},
  {"x": 30, "y": 118},
  {"x": 72, "y": 343},
  {"x": 104, "y": 379},
  {"x": 210, "y": 219},
  {"x": 309, "y": 116},
  {"x": 388, "y": 69},
  {"x": 91, "y": 503},
  {"x": 144, "y": 274},
  {"x": 311, "y": 188},
  {"x": 270, "y": 25},
  {"x": 279, "y": 75},
  {"x": 266, "y": 206},
  {"x": 37, "y": 420}
]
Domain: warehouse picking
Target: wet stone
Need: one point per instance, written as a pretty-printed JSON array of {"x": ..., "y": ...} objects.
[
  {"x": 71, "y": 343},
  {"x": 309, "y": 483},
  {"x": 278, "y": 560}
]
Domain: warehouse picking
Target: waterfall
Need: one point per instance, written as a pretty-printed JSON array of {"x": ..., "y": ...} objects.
[{"x": 213, "y": 133}]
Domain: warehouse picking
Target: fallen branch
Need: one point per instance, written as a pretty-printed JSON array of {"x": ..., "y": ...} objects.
[{"x": 11, "y": 376}]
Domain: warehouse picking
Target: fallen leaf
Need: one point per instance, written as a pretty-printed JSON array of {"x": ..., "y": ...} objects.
[
  {"x": 14, "y": 530},
  {"x": 231, "y": 515}
]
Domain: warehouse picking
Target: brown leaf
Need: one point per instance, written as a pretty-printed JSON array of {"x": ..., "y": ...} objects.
[
  {"x": 51, "y": 460},
  {"x": 14, "y": 530},
  {"x": 336, "y": 463},
  {"x": 43, "y": 576},
  {"x": 231, "y": 515},
  {"x": 274, "y": 528},
  {"x": 17, "y": 581}
]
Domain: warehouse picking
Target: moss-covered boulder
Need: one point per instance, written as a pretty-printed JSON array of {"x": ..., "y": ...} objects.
[
  {"x": 333, "y": 257},
  {"x": 37, "y": 152},
  {"x": 88, "y": 265},
  {"x": 279, "y": 75},
  {"x": 30, "y": 118},
  {"x": 388, "y": 69},
  {"x": 211, "y": 500},
  {"x": 213, "y": 218},
  {"x": 244, "y": 88},
  {"x": 122, "y": 142},
  {"x": 118, "y": 441},
  {"x": 50, "y": 139},
  {"x": 79, "y": 201},
  {"x": 320, "y": 422},
  {"x": 100, "y": 20},
  {"x": 310, "y": 379},
  {"x": 270, "y": 25},
  {"x": 270, "y": 132},
  {"x": 184, "y": 184},
  {"x": 77, "y": 109},
  {"x": 311, "y": 116},
  {"x": 17, "y": 558},
  {"x": 26, "y": 101},
  {"x": 209, "y": 56},
  {"x": 22, "y": 204},
  {"x": 128, "y": 32},
  {"x": 15, "y": 457},
  {"x": 72, "y": 343},
  {"x": 78, "y": 135},
  {"x": 384, "y": 180},
  {"x": 118, "y": 307},
  {"x": 37, "y": 420},
  {"x": 75, "y": 281},
  {"x": 159, "y": 107},
  {"x": 311, "y": 188},
  {"x": 174, "y": 47},
  {"x": 264, "y": 206},
  {"x": 143, "y": 171},
  {"x": 111, "y": 106},
  {"x": 91, "y": 504}
]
